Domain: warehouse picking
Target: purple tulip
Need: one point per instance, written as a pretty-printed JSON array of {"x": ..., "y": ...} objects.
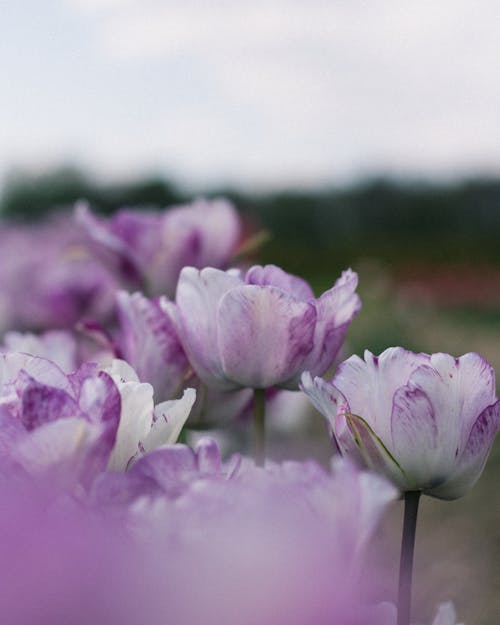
[
  {"x": 427, "y": 422},
  {"x": 148, "y": 341},
  {"x": 53, "y": 424},
  {"x": 148, "y": 249},
  {"x": 263, "y": 329}
]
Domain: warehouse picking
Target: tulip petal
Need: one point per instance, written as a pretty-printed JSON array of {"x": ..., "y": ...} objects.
[
  {"x": 459, "y": 389},
  {"x": 216, "y": 225},
  {"x": 150, "y": 343},
  {"x": 169, "y": 419},
  {"x": 41, "y": 404},
  {"x": 415, "y": 435},
  {"x": 374, "y": 451},
  {"x": 271, "y": 275},
  {"x": 208, "y": 458},
  {"x": 39, "y": 369},
  {"x": 370, "y": 384},
  {"x": 135, "y": 422},
  {"x": 198, "y": 295},
  {"x": 264, "y": 335},
  {"x": 169, "y": 468},
  {"x": 57, "y": 345},
  {"x": 336, "y": 309},
  {"x": 66, "y": 449},
  {"x": 330, "y": 402},
  {"x": 473, "y": 458}
]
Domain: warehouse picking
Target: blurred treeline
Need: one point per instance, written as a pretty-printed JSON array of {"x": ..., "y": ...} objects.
[{"x": 392, "y": 221}]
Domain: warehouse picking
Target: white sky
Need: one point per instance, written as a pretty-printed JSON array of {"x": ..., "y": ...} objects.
[{"x": 262, "y": 93}]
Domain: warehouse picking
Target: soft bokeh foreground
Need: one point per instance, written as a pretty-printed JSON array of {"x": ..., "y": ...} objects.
[{"x": 140, "y": 379}]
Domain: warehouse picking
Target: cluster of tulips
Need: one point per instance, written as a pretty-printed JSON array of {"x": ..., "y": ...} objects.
[{"x": 122, "y": 335}]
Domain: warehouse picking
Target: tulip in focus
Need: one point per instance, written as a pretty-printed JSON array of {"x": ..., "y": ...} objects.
[
  {"x": 262, "y": 329},
  {"x": 425, "y": 421}
]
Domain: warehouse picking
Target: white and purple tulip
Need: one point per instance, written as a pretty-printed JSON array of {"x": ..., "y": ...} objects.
[
  {"x": 425, "y": 421},
  {"x": 262, "y": 329}
]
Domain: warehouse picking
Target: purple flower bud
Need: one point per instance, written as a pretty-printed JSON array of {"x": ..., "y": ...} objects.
[
  {"x": 427, "y": 422},
  {"x": 262, "y": 330}
]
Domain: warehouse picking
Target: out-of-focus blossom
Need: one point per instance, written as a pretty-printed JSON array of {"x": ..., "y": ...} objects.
[
  {"x": 63, "y": 564},
  {"x": 263, "y": 329},
  {"x": 258, "y": 547},
  {"x": 149, "y": 248},
  {"x": 48, "y": 279},
  {"x": 144, "y": 426},
  {"x": 427, "y": 422},
  {"x": 56, "y": 425},
  {"x": 168, "y": 471},
  {"x": 60, "y": 346},
  {"x": 275, "y": 546}
]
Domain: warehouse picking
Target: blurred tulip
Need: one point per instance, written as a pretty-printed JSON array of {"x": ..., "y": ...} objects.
[
  {"x": 148, "y": 249},
  {"x": 48, "y": 279}
]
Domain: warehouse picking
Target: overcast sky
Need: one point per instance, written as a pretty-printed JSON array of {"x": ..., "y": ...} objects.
[{"x": 262, "y": 93}]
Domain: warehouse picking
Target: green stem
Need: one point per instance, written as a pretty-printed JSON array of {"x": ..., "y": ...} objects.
[
  {"x": 259, "y": 409},
  {"x": 412, "y": 498}
]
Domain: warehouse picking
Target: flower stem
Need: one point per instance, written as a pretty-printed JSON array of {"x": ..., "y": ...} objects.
[
  {"x": 412, "y": 498},
  {"x": 259, "y": 409}
]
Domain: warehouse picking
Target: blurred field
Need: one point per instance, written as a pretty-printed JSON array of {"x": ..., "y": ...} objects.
[{"x": 428, "y": 259}]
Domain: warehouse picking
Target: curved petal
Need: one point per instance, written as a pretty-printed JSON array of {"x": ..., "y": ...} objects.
[
  {"x": 271, "y": 275},
  {"x": 135, "y": 422},
  {"x": 459, "y": 389},
  {"x": 470, "y": 463},
  {"x": 415, "y": 437},
  {"x": 333, "y": 405},
  {"x": 369, "y": 385},
  {"x": 197, "y": 299},
  {"x": 264, "y": 335},
  {"x": 208, "y": 458},
  {"x": 171, "y": 468},
  {"x": 39, "y": 369},
  {"x": 336, "y": 309},
  {"x": 169, "y": 419}
]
